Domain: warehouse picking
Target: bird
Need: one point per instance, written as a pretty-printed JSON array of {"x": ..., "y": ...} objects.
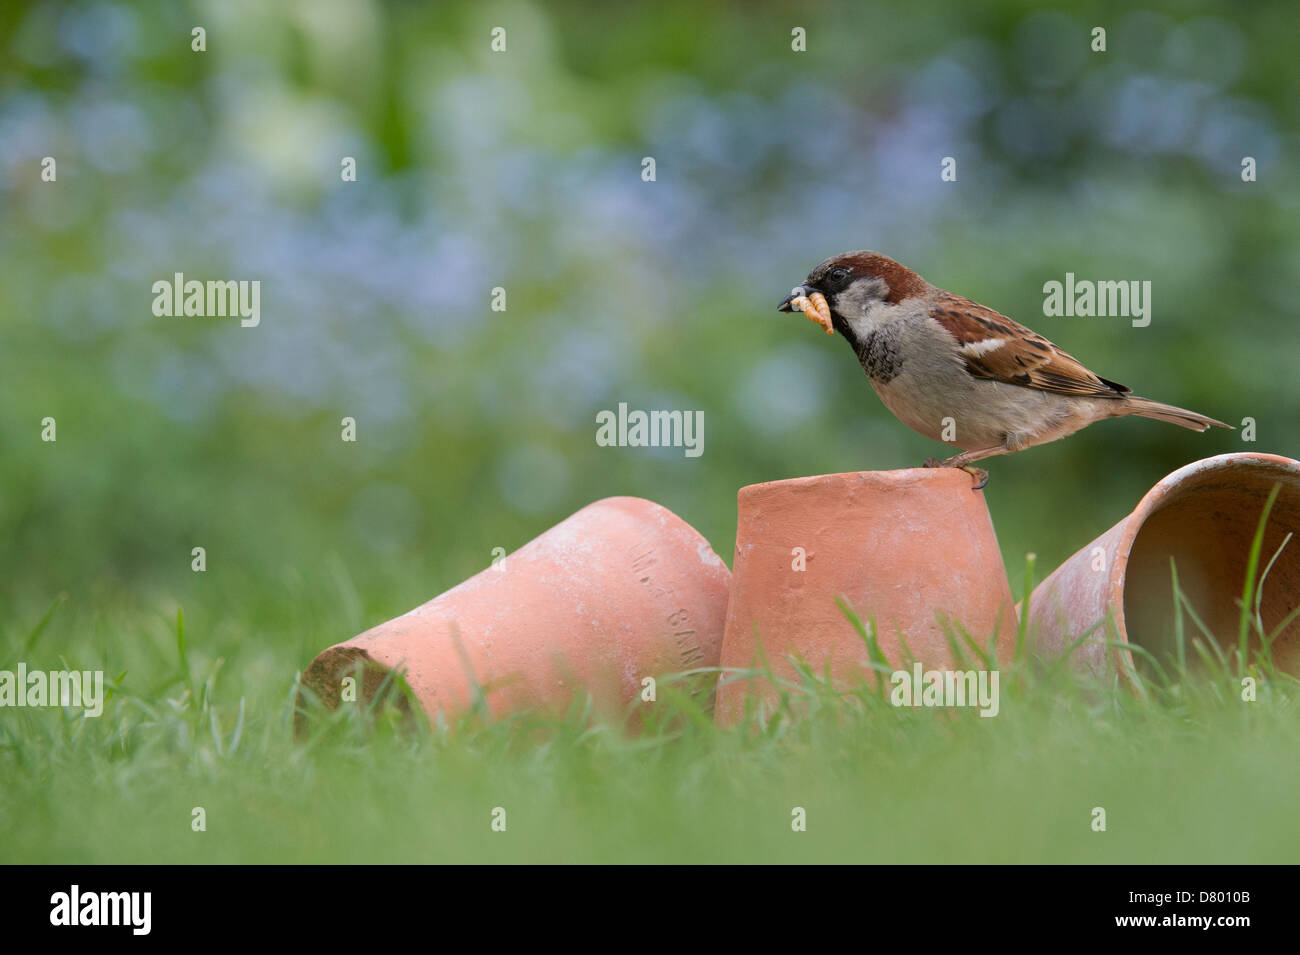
[{"x": 959, "y": 372}]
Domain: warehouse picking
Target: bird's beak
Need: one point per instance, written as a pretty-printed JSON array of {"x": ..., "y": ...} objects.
[{"x": 796, "y": 292}]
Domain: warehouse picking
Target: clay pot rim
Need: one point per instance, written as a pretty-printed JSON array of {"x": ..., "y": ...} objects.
[
  {"x": 898, "y": 478},
  {"x": 1155, "y": 500},
  {"x": 662, "y": 508}
]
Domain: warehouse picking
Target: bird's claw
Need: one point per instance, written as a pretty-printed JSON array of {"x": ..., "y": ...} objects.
[{"x": 979, "y": 474}]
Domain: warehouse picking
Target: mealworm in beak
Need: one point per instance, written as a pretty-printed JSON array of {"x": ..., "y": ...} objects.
[{"x": 816, "y": 309}]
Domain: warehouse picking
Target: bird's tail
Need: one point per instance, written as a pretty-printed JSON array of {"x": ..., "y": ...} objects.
[{"x": 1179, "y": 416}]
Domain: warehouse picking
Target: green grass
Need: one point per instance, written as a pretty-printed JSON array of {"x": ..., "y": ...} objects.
[{"x": 1186, "y": 770}]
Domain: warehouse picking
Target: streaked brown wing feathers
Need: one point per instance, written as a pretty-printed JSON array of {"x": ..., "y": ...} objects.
[{"x": 1000, "y": 349}]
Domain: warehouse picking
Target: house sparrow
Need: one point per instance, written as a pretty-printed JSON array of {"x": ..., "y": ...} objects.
[{"x": 933, "y": 355}]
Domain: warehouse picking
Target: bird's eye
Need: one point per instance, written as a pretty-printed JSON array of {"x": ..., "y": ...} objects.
[{"x": 840, "y": 274}]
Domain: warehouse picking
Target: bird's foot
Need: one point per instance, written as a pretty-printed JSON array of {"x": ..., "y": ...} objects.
[{"x": 979, "y": 474}]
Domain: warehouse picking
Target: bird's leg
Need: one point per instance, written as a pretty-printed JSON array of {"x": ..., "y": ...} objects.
[{"x": 965, "y": 459}]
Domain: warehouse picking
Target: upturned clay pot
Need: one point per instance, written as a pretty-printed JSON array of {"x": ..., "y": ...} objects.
[
  {"x": 622, "y": 590},
  {"x": 914, "y": 550},
  {"x": 1204, "y": 517}
]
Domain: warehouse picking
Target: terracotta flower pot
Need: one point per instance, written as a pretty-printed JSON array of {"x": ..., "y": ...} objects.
[
  {"x": 622, "y": 590},
  {"x": 1204, "y": 516},
  {"x": 911, "y": 549}
]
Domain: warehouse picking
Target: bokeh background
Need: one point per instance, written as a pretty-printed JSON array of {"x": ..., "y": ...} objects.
[{"x": 522, "y": 169}]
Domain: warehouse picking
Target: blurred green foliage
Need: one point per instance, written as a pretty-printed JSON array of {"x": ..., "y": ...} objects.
[
  {"x": 476, "y": 428},
  {"x": 522, "y": 170}
]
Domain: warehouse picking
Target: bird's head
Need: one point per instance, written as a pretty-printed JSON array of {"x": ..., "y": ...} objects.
[{"x": 854, "y": 282}]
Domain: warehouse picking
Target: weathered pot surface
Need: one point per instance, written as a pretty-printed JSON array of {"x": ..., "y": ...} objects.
[
  {"x": 912, "y": 549},
  {"x": 618, "y": 592},
  {"x": 1204, "y": 517}
]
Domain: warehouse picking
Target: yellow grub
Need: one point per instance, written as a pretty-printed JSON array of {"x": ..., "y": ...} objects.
[{"x": 816, "y": 309}]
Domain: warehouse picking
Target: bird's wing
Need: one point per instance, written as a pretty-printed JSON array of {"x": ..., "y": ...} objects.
[{"x": 996, "y": 347}]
